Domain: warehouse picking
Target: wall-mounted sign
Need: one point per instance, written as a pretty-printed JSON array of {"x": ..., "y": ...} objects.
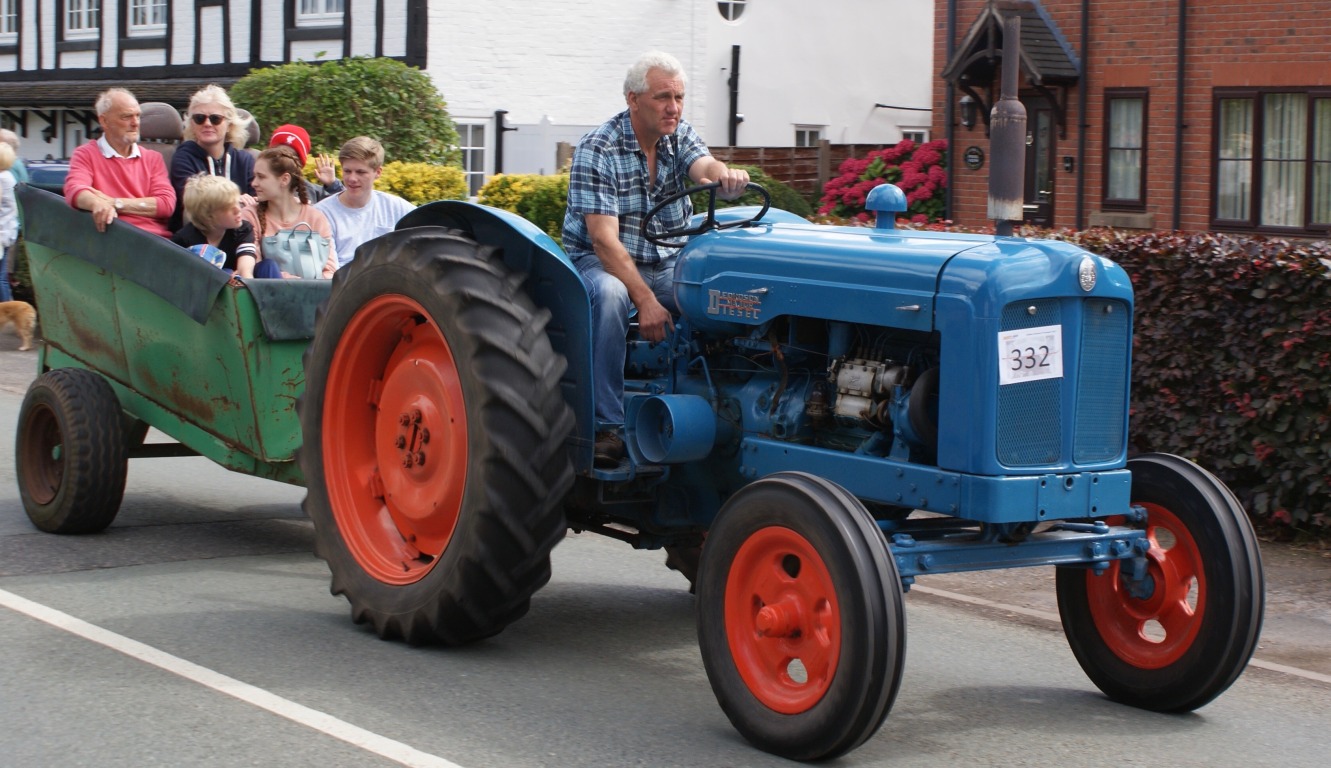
[{"x": 974, "y": 157}]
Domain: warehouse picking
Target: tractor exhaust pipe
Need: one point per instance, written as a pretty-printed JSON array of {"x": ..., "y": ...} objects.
[{"x": 1007, "y": 137}]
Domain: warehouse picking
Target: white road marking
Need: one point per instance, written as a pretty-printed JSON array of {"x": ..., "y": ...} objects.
[
  {"x": 1271, "y": 666},
  {"x": 258, "y": 697}
]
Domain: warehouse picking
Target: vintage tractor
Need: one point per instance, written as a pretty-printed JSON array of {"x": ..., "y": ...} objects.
[{"x": 839, "y": 411}]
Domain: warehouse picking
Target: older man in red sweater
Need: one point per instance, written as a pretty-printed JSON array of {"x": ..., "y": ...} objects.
[{"x": 114, "y": 178}]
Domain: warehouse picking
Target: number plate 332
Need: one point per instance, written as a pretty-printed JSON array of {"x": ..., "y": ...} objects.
[{"x": 1030, "y": 354}]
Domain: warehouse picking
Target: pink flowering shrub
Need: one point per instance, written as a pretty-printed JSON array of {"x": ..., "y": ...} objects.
[{"x": 919, "y": 169}]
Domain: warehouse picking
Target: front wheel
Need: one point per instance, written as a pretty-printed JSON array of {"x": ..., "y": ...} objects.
[
  {"x": 1179, "y": 638},
  {"x": 71, "y": 452},
  {"x": 434, "y": 432},
  {"x": 800, "y": 617}
]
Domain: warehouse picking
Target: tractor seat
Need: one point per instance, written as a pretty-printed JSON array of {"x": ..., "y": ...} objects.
[{"x": 161, "y": 128}]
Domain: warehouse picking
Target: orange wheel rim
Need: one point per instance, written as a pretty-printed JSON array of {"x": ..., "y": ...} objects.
[
  {"x": 394, "y": 439},
  {"x": 783, "y": 623},
  {"x": 1154, "y": 631}
]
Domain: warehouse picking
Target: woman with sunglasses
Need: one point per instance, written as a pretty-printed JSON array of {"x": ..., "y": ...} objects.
[{"x": 214, "y": 144}]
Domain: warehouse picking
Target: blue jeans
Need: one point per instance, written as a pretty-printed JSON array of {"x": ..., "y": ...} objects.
[
  {"x": 5, "y": 293},
  {"x": 610, "y": 326}
]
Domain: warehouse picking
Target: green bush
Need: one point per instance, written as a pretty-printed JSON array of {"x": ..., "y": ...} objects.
[
  {"x": 538, "y": 199},
  {"x": 337, "y": 100},
  {"x": 420, "y": 183},
  {"x": 783, "y": 196}
]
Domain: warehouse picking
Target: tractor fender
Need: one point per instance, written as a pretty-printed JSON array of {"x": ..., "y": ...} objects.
[{"x": 553, "y": 283}]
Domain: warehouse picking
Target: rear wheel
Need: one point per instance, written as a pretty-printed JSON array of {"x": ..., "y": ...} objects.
[
  {"x": 800, "y": 617},
  {"x": 434, "y": 434},
  {"x": 1180, "y": 639},
  {"x": 71, "y": 452}
]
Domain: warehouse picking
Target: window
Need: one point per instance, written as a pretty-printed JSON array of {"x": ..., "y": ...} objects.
[
  {"x": 9, "y": 21},
  {"x": 1233, "y": 178},
  {"x": 731, "y": 10},
  {"x": 319, "y": 13},
  {"x": 808, "y": 135},
  {"x": 147, "y": 18},
  {"x": 1273, "y": 160},
  {"x": 83, "y": 19},
  {"x": 919, "y": 136},
  {"x": 471, "y": 141},
  {"x": 1125, "y": 149}
]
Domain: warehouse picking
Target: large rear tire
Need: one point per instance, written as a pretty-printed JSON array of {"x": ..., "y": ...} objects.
[
  {"x": 70, "y": 452},
  {"x": 434, "y": 439},
  {"x": 1187, "y": 637},
  {"x": 800, "y": 617}
]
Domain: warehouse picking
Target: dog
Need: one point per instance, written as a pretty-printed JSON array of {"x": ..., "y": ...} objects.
[{"x": 24, "y": 318}]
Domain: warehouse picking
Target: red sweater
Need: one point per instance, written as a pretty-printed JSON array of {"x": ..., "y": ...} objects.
[{"x": 126, "y": 177}]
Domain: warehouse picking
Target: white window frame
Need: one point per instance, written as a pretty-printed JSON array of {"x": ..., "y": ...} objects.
[
  {"x": 731, "y": 10},
  {"x": 917, "y": 135},
  {"x": 9, "y": 21},
  {"x": 320, "y": 13},
  {"x": 150, "y": 8},
  {"x": 802, "y": 135},
  {"x": 467, "y": 133},
  {"x": 87, "y": 14}
]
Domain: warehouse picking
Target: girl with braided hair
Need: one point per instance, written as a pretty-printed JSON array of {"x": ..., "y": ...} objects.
[{"x": 284, "y": 207}]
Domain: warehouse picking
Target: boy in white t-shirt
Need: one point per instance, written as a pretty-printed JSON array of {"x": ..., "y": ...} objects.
[{"x": 360, "y": 212}]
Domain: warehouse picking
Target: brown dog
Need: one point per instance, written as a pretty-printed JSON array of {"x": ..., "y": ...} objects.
[{"x": 23, "y": 316}]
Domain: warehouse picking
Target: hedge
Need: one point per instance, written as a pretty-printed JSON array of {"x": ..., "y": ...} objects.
[
  {"x": 538, "y": 199},
  {"x": 1231, "y": 359},
  {"x": 358, "y": 96}
]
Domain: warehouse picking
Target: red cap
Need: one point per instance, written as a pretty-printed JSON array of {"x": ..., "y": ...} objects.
[{"x": 292, "y": 136}]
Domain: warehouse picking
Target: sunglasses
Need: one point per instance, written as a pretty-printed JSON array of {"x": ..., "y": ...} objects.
[{"x": 201, "y": 119}]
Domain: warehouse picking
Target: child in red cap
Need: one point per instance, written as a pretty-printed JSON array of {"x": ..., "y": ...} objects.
[{"x": 298, "y": 139}]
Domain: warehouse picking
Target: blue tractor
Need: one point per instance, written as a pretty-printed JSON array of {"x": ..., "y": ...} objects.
[{"x": 839, "y": 411}]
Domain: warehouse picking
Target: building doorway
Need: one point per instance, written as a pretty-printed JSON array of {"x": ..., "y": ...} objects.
[{"x": 1039, "y": 187}]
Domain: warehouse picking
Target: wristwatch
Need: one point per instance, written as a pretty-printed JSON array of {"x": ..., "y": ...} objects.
[{"x": 120, "y": 204}]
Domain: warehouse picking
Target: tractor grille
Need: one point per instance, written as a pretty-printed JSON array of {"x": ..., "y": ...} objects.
[
  {"x": 1102, "y": 382},
  {"x": 1029, "y": 417},
  {"x": 1031, "y": 414}
]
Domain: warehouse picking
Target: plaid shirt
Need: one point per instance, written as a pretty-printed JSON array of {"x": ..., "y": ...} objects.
[{"x": 609, "y": 176}]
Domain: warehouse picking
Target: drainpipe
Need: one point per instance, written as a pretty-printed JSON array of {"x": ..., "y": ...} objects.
[
  {"x": 735, "y": 117},
  {"x": 948, "y": 114},
  {"x": 1007, "y": 136},
  {"x": 1082, "y": 88},
  {"x": 500, "y": 130},
  {"x": 1178, "y": 111}
]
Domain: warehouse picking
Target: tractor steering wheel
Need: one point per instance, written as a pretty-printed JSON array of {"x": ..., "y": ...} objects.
[{"x": 667, "y": 239}]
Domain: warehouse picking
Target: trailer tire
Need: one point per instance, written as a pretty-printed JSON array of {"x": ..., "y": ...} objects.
[
  {"x": 434, "y": 439},
  {"x": 1189, "y": 639},
  {"x": 70, "y": 452},
  {"x": 796, "y": 570}
]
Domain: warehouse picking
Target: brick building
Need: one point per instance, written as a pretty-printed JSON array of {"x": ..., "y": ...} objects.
[{"x": 1163, "y": 115}]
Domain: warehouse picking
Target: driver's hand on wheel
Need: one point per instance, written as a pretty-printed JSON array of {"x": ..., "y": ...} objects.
[
  {"x": 654, "y": 320},
  {"x": 733, "y": 183}
]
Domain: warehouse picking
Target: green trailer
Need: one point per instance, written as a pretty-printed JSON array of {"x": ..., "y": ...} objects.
[{"x": 142, "y": 333}]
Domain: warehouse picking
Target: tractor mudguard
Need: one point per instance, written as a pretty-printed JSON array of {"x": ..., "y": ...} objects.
[{"x": 553, "y": 283}]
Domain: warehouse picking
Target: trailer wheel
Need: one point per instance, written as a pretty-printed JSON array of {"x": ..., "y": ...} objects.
[
  {"x": 800, "y": 617},
  {"x": 70, "y": 453},
  {"x": 1187, "y": 637},
  {"x": 434, "y": 431}
]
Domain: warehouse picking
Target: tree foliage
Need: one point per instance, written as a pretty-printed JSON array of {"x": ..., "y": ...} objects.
[{"x": 337, "y": 100}]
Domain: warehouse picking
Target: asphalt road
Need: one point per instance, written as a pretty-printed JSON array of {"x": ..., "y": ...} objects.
[{"x": 198, "y": 630}]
